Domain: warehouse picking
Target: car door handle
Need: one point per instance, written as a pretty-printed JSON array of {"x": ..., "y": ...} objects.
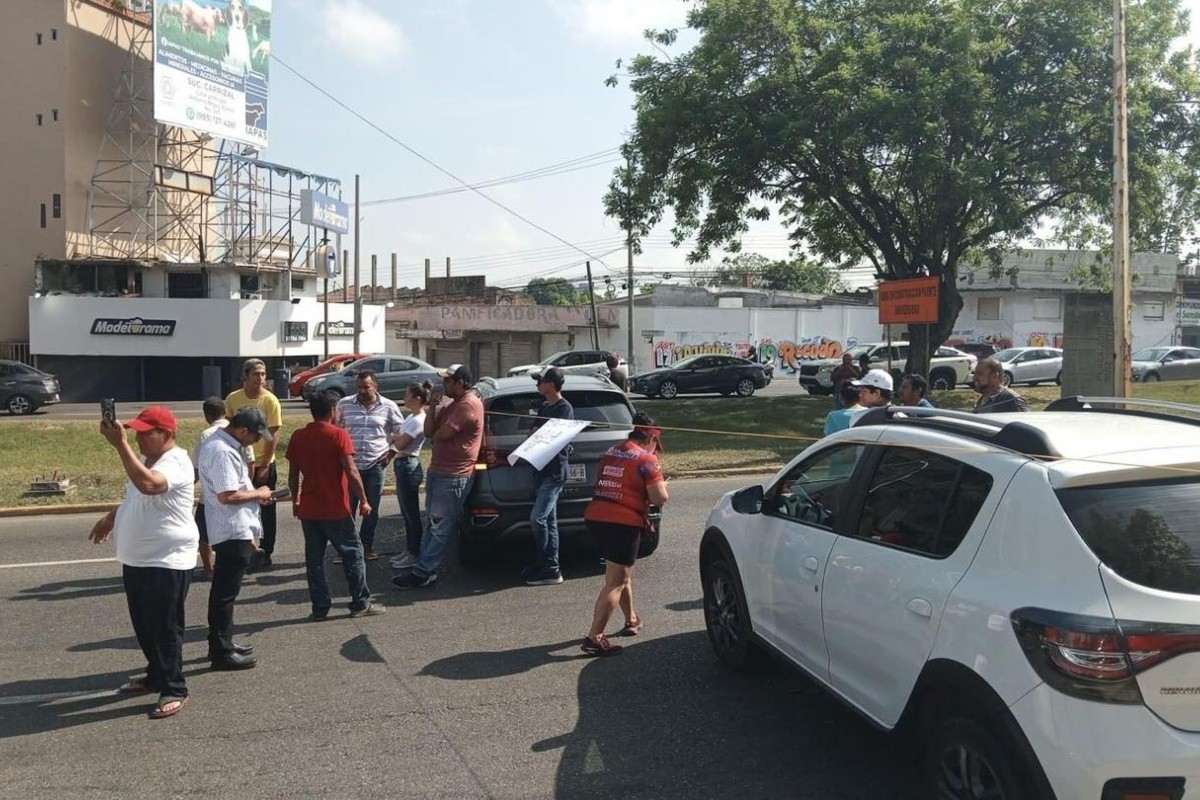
[
  {"x": 922, "y": 608},
  {"x": 811, "y": 564}
]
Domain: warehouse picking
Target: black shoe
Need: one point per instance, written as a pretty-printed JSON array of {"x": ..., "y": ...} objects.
[
  {"x": 319, "y": 616},
  {"x": 259, "y": 562},
  {"x": 234, "y": 661},
  {"x": 412, "y": 580},
  {"x": 243, "y": 649}
]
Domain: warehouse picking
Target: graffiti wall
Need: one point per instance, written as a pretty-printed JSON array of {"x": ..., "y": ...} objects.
[
  {"x": 1003, "y": 340},
  {"x": 785, "y": 354}
]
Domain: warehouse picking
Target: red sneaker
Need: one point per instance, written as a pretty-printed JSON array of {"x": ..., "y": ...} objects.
[
  {"x": 600, "y": 646},
  {"x": 632, "y": 628}
]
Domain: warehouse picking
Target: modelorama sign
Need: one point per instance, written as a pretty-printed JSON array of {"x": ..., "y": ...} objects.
[
  {"x": 323, "y": 211},
  {"x": 135, "y": 326},
  {"x": 912, "y": 301},
  {"x": 336, "y": 329},
  {"x": 211, "y": 66}
]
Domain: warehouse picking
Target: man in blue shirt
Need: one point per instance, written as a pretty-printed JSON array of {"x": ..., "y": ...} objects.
[
  {"x": 913, "y": 390},
  {"x": 549, "y": 481}
]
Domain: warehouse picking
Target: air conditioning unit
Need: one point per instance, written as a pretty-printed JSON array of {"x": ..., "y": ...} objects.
[{"x": 251, "y": 296}]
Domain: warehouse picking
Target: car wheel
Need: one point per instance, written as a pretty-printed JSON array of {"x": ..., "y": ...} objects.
[
  {"x": 1008, "y": 378},
  {"x": 668, "y": 389},
  {"x": 648, "y": 544},
  {"x": 941, "y": 380},
  {"x": 1058, "y": 378},
  {"x": 1152, "y": 377},
  {"x": 745, "y": 387},
  {"x": 726, "y": 617},
  {"x": 20, "y": 404},
  {"x": 965, "y": 760}
]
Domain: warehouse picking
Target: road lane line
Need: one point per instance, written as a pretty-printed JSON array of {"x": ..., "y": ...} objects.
[
  {"x": 57, "y": 563},
  {"x": 29, "y": 699}
]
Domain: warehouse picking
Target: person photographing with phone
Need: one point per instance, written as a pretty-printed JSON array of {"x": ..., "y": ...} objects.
[
  {"x": 254, "y": 393},
  {"x": 231, "y": 513},
  {"x": 156, "y": 542}
]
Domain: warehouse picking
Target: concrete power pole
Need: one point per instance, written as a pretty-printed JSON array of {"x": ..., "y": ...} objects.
[
  {"x": 357, "y": 283},
  {"x": 629, "y": 259},
  {"x": 1122, "y": 336}
]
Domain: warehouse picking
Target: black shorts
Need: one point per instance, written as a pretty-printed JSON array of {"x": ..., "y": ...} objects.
[
  {"x": 616, "y": 543},
  {"x": 201, "y": 524}
]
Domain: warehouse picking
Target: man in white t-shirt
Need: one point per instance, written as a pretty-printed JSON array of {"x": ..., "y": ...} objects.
[
  {"x": 214, "y": 415},
  {"x": 156, "y": 541}
]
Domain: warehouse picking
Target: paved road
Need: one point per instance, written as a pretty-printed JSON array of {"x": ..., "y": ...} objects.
[{"x": 473, "y": 689}]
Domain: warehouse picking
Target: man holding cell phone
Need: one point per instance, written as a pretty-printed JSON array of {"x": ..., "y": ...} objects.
[{"x": 254, "y": 393}]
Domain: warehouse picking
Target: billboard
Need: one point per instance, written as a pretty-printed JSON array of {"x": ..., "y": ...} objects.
[
  {"x": 212, "y": 65},
  {"x": 323, "y": 211},
  {"x": 914, "y": 301}
]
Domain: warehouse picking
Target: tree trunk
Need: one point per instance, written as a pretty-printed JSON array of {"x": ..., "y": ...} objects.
[{"x": 925, "y": 339}]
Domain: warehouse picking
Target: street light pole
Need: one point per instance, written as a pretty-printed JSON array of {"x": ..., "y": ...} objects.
[
  {"x": 1122, "y": 337},
  {"x": 357, "y": 287}
]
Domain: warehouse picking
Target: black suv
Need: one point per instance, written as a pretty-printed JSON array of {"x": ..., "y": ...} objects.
[
  {"x": 25, "y": 389},
  {"x": 502, "y": 496}
]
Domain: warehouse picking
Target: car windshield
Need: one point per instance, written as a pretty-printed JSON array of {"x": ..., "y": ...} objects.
[
  {"x": 1151, "y": 354},
  {"x": 858, "y": 351},
  {"x": 509, "y": 414},
  {"x": 25, "y": 369},
  {"x": 687, "y": 363},
  {"x": 558, "y": 359},
  {"x": 1009, "y": 354}
]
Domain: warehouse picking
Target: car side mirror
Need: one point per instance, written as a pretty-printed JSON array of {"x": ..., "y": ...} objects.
[{"x": 748, "y": 500}]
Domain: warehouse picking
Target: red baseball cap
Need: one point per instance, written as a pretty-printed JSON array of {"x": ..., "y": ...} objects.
[{"x": 154, "y": 417}]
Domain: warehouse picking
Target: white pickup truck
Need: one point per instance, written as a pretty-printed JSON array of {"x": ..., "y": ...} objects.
[{"x": 948, "y": 367}]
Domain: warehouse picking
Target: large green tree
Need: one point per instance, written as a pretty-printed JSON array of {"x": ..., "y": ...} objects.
[
  {"x": 552, "y": 292},
  {"x": 918, "y": 135},
  {"x": 757, "y": 271}
]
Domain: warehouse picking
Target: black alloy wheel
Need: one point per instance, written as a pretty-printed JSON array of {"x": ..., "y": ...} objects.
[
  {"x": 745, "y": 387},
  {"x": 965, "y": 761},
  {"x": 941, "y": 381},
  {"x": 19, "y": 405},
  {"x": 726, "y": 616},
  {"x": 668, "y": 389}
]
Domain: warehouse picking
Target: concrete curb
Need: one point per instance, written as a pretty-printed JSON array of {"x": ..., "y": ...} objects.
[{"x": 103, "y": 508}]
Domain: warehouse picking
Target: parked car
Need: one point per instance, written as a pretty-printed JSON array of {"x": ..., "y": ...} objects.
[
  {"x": 1032, "y": 365},
  {"x": 978, "y": 349},
  {"x": 701, "y": 374},
  {"x": 394, "y": 374},
  {"x": 331, "y": 364},
  {"x": 25, "y": 389},
  {"x": 501, "y": 497},
  {"x": 1165, "y": 364},
  {"x": 583, "y": 362},
  {"x": 948, "y": 367},
  {"x": 1020, "y": 591}
]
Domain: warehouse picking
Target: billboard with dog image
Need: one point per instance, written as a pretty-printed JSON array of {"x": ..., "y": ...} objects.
[{"x": 212, "y": 66}]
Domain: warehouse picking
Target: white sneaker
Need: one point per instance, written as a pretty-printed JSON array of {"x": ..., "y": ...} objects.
[{"x": 406, "y": 561}]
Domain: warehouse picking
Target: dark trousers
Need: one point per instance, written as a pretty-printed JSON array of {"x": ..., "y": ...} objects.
[
  {"x": 232, "y": 558},
  {"x": 340, "y": 533},
  {"x": 156, "y": 597},
  {"x": 409, "y": 476},
  {"x": 267, "y": 512}
]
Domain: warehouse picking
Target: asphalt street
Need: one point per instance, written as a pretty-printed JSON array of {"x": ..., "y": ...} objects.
[{"x": 474, "y": 688}]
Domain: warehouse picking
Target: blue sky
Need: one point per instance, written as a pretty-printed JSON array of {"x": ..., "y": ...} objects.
[{"x": 486, "y": 89}]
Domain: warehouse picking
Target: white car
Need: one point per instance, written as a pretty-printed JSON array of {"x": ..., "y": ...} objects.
[
  {"x": 1022, "y": 591},
  {"x": 582, "y": 362}
]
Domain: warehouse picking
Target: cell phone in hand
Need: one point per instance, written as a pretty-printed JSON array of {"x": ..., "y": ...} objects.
[
  {"x": 282, "y": 494},
  {"x": 108, "y": 410}
]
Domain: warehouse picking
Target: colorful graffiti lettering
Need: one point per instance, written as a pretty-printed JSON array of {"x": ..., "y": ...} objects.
[
  {"x": 785, "y": 354},
  {"x": 1046, "y": 340},
  {"x": 667, "y": 352}
]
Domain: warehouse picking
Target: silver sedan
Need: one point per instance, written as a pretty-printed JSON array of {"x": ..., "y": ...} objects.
[
  {"x": 1166, "y": 364},
  {"x": 1032, "y": 365}
]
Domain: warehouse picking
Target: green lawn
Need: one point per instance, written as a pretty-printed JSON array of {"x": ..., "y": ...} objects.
[{"x": 703, "y": 434}]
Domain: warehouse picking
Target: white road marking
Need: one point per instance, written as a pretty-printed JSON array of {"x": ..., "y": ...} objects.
[
  {"x": 57, "y": 563},
  {"x": 29, "y": 699}
]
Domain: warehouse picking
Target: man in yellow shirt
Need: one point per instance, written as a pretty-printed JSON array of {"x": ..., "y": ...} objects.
[{"x": 262, "y": 470}]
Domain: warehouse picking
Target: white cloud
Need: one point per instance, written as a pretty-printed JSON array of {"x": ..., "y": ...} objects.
[
  {"x": 362, "y": 33},
  {"x": 621, "y": 20}
]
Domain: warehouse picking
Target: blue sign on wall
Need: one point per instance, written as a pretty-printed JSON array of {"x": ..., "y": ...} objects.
[{"x": 323, "y": 211}]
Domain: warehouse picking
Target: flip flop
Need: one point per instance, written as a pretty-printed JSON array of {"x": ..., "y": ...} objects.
[
  {"x": 162, "y": 712},
  {"x": 135, "y": 686}
]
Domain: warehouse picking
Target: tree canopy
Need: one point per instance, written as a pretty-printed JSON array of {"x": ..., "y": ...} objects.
[
  {"x": 552, "y": 292},
  {"x": 917, "y": 135},
  {"x": 757, "y": 271}
]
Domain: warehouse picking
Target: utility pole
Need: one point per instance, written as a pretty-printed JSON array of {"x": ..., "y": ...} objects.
[
  {"x": 631, "y": 366},
  {"x": 592, "y": 300},
  {"x": 1122, "y": 336},
  {"x": 357, "y": 286}
]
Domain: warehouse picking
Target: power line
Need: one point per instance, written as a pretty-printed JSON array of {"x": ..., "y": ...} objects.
[{"x": 429, "y": 161}]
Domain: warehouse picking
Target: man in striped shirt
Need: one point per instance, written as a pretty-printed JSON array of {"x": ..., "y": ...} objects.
[{"x": 370, "y": 419}]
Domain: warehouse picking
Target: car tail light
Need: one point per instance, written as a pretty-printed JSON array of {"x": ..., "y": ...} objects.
[
  {"x": 1144, "y": 789},
  {"x": 491, "y": 458},
  {"x": 1097, "y": 658}
]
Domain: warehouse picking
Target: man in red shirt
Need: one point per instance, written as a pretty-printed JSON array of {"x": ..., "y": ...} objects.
[
  {"x": 455, "y": 429},
  {"x": 321, "y": 453}
]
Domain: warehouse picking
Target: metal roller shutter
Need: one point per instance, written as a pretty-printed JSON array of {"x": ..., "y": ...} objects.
[
  {"x": 485, "y": 359},
  {"x": 447, "y": 353},
  {"x": 514, "y": 354}
]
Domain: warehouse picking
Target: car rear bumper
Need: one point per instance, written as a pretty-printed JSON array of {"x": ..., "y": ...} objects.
[
  {"x": 485, "y": 520},
  {"x": 1082, "y": 745}
]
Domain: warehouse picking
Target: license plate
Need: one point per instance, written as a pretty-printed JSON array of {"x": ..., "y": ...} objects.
[{"x": 576, "y": 473}]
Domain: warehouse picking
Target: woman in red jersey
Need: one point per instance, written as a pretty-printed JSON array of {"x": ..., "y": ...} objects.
[{"x": 628, "y": 481}]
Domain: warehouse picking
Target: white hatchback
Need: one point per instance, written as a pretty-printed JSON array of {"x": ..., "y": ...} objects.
[{"x": 1022, "y": 591}]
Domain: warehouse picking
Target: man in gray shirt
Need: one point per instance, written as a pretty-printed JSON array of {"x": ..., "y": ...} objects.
[{"x": 995, "y": 397}]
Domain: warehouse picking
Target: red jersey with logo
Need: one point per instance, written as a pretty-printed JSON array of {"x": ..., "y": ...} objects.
[
  {"x": 621, "y": 480},
  {"x": 316, "y": 450}
]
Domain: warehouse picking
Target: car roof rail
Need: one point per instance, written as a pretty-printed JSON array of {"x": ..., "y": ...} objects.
[
  {"x": 1131, "y": 406},
  {"x": 1018, "y": 437}
]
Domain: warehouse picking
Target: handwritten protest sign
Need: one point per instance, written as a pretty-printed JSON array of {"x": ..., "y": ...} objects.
[{"x": 547, "y": 441}]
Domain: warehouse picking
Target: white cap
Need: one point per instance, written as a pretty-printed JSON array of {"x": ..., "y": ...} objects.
[{"x": 876, "y": 378}]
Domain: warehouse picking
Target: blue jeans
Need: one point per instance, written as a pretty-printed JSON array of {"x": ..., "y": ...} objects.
[
  {"x": 543, "y": 519},
  {"x": 339, "y": 533},
  {"x": 409, "y": 476},
  {"x": 444, "y": 498},
  {"x": 372, "y": 478}
]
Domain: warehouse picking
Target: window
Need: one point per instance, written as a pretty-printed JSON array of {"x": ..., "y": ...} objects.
[
  {"x": 1152, "y": 309},
  {"x": 1148, "y": 533},
  {"x": 401, "y": 365},
  {"x": 987, "y": 308},
  {"x": 39, "y": 120},
  {"x": 54, "y": 34},
  {"x": 54, "y": 114},
  {"x": 373, "y": 365},
  {"x": 816, "y": 490},
  {"x": 39, "y": 38},
  {"x": 1047, "y": 308},
  {"x": 185, "y": 284},
  {"x": 921, "y": 501},
  {"x": 56, "y": 206},
  {"x": 43, "y": 215},
  {"x": 5, "y": 370},
  {"x": 298, "y": 284}
]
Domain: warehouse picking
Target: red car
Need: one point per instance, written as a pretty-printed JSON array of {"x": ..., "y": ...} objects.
[{"x": 331, "y": 364}]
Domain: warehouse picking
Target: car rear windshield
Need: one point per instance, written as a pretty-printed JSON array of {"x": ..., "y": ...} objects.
[
  {"x": 504, "y": 413},
  {"x": 1148, "y": 533}
]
